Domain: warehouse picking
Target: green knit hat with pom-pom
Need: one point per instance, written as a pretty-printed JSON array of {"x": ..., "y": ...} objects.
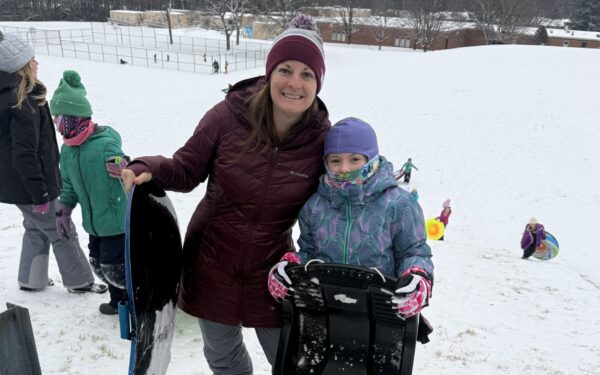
[{"x": 69, "y": 98}]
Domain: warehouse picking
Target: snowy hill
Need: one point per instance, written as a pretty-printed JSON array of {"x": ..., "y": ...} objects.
[{"x": 506, "y": 132}]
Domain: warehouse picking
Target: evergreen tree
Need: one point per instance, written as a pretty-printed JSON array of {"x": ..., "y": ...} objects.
[
  {"x": 586, "y": 15},
  {"x": 541, "y": 35}
]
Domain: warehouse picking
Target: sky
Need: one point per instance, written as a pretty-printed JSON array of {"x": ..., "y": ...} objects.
[{"x": 505, "y": 132}]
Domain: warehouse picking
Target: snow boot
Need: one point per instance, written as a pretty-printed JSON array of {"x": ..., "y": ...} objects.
[
  {"x": 92, "y": 288},
  {"x": 107, "y": 309},
  {"x": 26, "y": 289}
]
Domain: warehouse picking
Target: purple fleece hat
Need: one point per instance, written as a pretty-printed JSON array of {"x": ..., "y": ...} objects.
[{"x": 352, "y": 135}]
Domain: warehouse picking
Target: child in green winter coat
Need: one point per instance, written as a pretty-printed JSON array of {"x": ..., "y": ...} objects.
[{"x": 91, "y": 161}]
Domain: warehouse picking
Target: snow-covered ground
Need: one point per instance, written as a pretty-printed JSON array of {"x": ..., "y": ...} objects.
[{"x": 506, "y": 132}]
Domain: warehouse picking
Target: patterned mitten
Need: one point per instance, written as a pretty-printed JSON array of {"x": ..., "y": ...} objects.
[
  {"x": 279, "y": 283},
  {"x": 412, "y": 297}
]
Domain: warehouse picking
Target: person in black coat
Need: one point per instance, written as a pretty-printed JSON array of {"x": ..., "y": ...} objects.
[{"x": 29, "y": 172}]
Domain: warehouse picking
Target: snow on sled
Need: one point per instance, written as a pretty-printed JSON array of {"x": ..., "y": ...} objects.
[
  {"x": 153, "y": 269},
  {"x": 340, "y": 321}
]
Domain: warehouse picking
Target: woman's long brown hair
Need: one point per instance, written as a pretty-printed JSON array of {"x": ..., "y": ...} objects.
[{"x": 26, "y": 86}]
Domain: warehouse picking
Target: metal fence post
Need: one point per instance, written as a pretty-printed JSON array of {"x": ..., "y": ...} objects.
[
  {"x": 47, "y": 43},
  {"x": 62, "y": 52}
]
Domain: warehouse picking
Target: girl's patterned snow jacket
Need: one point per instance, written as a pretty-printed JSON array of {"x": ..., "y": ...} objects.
[{"x": 376, "y": 224}]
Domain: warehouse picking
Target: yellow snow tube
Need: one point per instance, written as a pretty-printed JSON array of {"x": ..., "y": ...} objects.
[{"x": 435, "y": 229}]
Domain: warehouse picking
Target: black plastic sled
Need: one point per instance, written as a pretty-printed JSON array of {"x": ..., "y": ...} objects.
[
  {"x": 153, "y": 269},
  {"x": 340, "y": 321}
]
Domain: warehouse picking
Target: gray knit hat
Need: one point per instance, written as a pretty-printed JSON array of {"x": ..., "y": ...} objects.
[{"x": 15, "y": 53}]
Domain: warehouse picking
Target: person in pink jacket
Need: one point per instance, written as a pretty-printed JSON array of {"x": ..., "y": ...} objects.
[{"x": 445, "y": 214}]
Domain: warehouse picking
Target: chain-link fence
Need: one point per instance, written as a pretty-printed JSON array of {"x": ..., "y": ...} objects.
[{"x": 141, "y": 46}]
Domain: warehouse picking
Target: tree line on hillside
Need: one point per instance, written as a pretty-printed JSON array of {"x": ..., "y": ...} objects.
[{"x": 501, "y": 21}]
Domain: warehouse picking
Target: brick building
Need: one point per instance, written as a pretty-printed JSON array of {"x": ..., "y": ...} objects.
[
  {"x": 573, "y": 38},
  {"x": 464, "y": 34}
]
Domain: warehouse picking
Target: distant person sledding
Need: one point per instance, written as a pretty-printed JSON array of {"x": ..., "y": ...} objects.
[
  {"x": 445, "y": 215},
  {"x": 414, "y": 195},
  {"x": 537, "y": 242},
  {"x": 405, "y": 171}
]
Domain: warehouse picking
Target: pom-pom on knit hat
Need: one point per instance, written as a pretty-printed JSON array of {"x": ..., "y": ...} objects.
[
  {"x": 15, "y": 53},
  {"x": 352, "y": 135},
  {"x": 69, "y": 98},
  {"x": 302, "y": 43}
]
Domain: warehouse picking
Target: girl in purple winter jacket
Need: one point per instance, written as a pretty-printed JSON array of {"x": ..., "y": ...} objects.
[
  {"x": 532, "y": 237},
  {"x": 359, "y": 216}
]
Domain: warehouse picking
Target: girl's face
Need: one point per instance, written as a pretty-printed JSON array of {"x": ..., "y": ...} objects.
[
  {"x": 293, "y": 88},
  {"x": 345, "y": 162},
  {"x": 33, "y": 66}
]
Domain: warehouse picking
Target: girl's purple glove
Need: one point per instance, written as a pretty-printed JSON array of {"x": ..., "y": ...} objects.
[
  {"x": 41, "y": 208},
  {"x": 63, "y": 221}
]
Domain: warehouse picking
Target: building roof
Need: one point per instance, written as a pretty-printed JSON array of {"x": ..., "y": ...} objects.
[
  {"x": 568, "y": 34},
  {"x": 574, "y": 34}
]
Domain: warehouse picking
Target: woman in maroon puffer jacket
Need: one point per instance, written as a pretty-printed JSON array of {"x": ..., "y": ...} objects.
[{"x": 261, "y": 151}]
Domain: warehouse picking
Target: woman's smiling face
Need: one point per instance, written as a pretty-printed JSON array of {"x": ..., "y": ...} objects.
[{"x": 293, "y": 88}]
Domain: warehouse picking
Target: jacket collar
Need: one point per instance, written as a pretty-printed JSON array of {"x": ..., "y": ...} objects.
[
  {"x": 361, "y": 195},
  {"x": 8, "y": 80},
  {"x": 238, "y": 98}
]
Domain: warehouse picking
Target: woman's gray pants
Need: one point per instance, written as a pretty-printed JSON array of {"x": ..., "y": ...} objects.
[
  {"x": 225, "y": 351},
  {"x": 40, "y": 233}
]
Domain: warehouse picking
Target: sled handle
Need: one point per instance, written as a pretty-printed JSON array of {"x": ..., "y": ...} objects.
[
  {"x": 379, "y": 273},
  {"x": 124, "y": 325},
  {"x": 311, "y": 261}
]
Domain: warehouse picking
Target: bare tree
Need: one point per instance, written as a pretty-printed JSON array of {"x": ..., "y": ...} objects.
[
  {"x": 382, "y": 10},
  {"x": 426, "y": 18},
  {"x": 283, "y": 11},
  {"x": 237, "y": 8},
  {"x": 379, "y": 28},
  {"x": 220, "y": 9},
  {"x": 168, "y": 18},
  {"x": 502, "y": 21},
  {"x": 346, "y": 11}
]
